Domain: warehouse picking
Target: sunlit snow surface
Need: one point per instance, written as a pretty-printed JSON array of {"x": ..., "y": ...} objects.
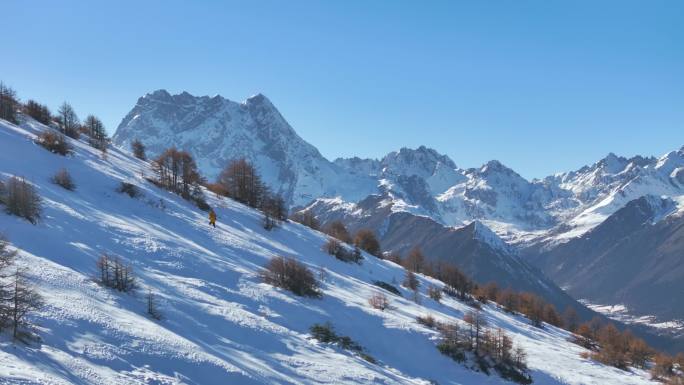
[
  {"x": 622, "y": 313},
  {"x": 221, "y": 324}
]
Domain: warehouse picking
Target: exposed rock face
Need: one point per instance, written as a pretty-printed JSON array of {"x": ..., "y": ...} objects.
[{"x": 216, "y": 130}]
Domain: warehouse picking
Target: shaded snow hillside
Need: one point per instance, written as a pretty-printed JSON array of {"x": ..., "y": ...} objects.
[
  {"x": 632, "y": 259},
  {"x": 216, "y": 130},
  {"x": 221, "y": 324},
  {"x": 474, "y": 248}
]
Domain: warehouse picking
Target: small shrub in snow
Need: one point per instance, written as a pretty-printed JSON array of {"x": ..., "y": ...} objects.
[
  {"x": 54, "y": 142},
  {"x": 129, "y": 189},
  {"x": 392, "y": 289},
  {"x": 115, "y": 274},
  {"x": 289, "y": 274},
  {"x": 435, "y": 293},
  {"x": 379, "y": 301},
  {"x": 332, "y": 247},
  {"x": 22, "y": 199},
  {"x": 268, "y": 222},
  {"x": 427, "y": 320},
  {"x": 339, "y": 251},
  {"x": 197, "y": 196},
  {"x": 326, "y": 333},
  {"x": 63, "y": 178},
  {"x": 138, "y": 149}
]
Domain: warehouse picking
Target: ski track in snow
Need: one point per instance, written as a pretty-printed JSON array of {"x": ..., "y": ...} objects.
[{"x": 221, "y": 324}]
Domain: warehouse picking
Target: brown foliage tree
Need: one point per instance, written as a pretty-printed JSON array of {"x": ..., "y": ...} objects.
[
  {"x": 509, "y": 300},
  {"x": 22, "y": 199},
  {"x": 8, "y": 104},
  {"x": 37, "y": 111},
  {"x": 177, "y": 171},
  {"x": 415, "y": 260},
  {"x": 551, "y": 316},
  {"x": 54, "y": 142},
  {"x": 457, "y": 283},
  {"x": 476, "y": 324},
  {"x": 116, "y": 274},
  {"x": 68, "y": 120},
  {"x": 532, "y": 307},
  {"x": 570, "y": 319},
  {"x": 379, "y": 301},
  {"x": 95, "y": 130},
  {"x": 243, "y": 183},
  {"x": 22, "y": 300},
  {"x": 338, "y": 230},
  {"x": 63, "y": 178},
  {"x": 663, "y": 366},
  {"x": 365, "y": 239}
]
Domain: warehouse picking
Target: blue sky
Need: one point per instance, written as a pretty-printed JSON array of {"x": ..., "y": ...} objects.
[{"x": 543, "y": 86}]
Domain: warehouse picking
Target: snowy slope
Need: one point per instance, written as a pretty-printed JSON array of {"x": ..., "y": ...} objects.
[{"x": 222, "y": 325}]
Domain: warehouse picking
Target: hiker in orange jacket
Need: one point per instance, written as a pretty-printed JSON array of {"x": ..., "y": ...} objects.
[{"x": 212, "y": 217}]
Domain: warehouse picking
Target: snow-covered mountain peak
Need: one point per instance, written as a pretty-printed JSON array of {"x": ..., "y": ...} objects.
[
  {"x": 419, "y": 180},
  {"x": 496, "y": 168},
  {"x": 160, "y": 94},
  {"x": 670, "y": 162},
  {"x": 613, "y": 163},
  {"x": 258, "y": 99},
  {"x": 421, "y": 161},
  {"x": 216, "y": 130}
]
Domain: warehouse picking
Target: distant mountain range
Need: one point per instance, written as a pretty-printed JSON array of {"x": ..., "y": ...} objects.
[{"x": 568, "y": 224}]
